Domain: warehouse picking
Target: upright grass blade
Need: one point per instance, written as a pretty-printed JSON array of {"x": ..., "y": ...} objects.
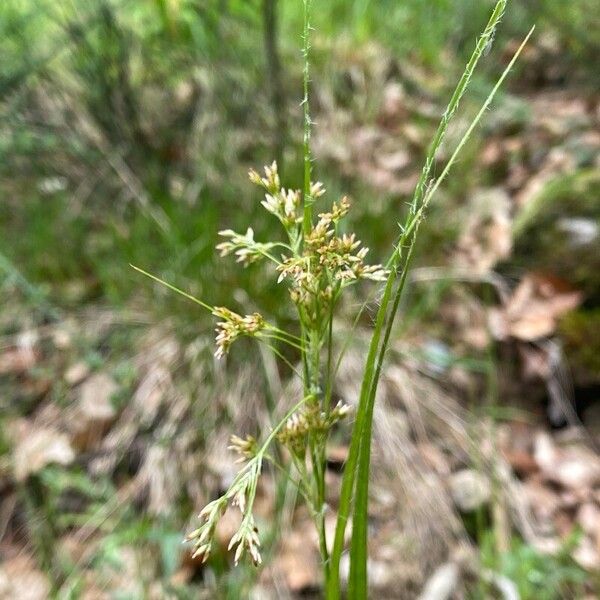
[
  {"x": 359, "y": 454},
  {"x": 359, "y": 534},
  {"x": 307, "y": 217}
]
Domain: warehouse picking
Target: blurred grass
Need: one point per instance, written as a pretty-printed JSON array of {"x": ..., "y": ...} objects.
[
  {"x": 126, "y": 130},
  {"x": 127, "y": 126}
]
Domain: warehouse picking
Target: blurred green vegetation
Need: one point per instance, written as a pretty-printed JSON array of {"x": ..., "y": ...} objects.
[
  {"x": 536, "y": 575},
  {"x": 128, "y": 126},
  {"x": 126, "y": 131}
]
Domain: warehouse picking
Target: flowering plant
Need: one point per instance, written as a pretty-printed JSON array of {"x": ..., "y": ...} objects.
[{"x": 318, "y": 261}]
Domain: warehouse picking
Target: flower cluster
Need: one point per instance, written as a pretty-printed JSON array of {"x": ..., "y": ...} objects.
[
  {"x": 203, "y": 536},
  {"x": 285, "y": 204},
  {"x": 240, "y": 494},
  {"x": 246, "y": 448},
  {"x": 244, "y": 247},
  {"x": 312, "y": 419},
  {"x": 234, "y": 326},
  {"x": 318, "y": 261},
  {"x": 246, "y": 539},
  {"x": 270, "y": 181},
  {"x": 319, "y": 264},
  {"x": 327, "y": 263},
  {"x": 326, "y": 254}
]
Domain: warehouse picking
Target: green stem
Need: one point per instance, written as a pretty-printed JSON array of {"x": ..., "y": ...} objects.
[
  {"x": 329, "y": 381},
  {"x": 274, "y": 336},
  {"x": 307, "y": 217},
  {"x": 317, "y": 453},
  {"x": 174, "y": 289},
  {"x": 359, "y": 454},
  {"x": 283, "y": 358},
  {"x": 333, "y": 587},
  {"x": 358, "y": 564},
  {"x": 273, "y": 63}
]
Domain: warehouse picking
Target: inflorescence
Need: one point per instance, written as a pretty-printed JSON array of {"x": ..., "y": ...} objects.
[{"x": 317, "y": 263}]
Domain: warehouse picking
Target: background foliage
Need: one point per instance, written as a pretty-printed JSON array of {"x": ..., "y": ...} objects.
[{"x": 126, "y": 131}]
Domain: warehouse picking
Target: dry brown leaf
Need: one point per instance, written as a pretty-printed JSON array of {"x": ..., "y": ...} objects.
[
  {"x": 587, "y": 555},
  {"x": 535, "y": 362},
  {"x": 533, "y": 309},
  {"x": 76, "y": 373},
  {"x": 521, "y": 462},
  {"x": 21, "y": 580},
  {"x": 298, "y": 558},
  {"x": 37, "y": 447},
  {"x": 17, "y": 360},
  {"x": 588, "y": 517},
  {"x": 94, "y": 411},
  {"x": 574, "y": 467},
  {"x": 544, "y": 503},
  {"x": 487, "y": 237},
  {"x": 393, "y": 107}
]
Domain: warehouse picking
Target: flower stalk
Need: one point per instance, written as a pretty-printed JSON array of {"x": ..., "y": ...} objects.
[{"x": 318, "y": 264}]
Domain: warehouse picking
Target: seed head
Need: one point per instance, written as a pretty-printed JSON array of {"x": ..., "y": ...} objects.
[
  {"x": 234, "y": 326},
  {"x": 270, "y": 181},
  {"x": 244, "y": 246},
  {"x": 246, "y": 540},
  {"x": 245, "y": 447}
]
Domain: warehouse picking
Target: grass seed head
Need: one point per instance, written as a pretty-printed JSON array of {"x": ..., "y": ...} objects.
[
  {"x": 232, "y": 326},
  {"x": 246, "y": 447}
]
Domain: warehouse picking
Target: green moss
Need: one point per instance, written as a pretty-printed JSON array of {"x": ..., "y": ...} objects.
[
  {"x": 559, "y": 232},
  {"x": 580, "y": 331}
]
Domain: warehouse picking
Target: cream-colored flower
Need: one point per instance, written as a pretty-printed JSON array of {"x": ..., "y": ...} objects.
[
  {"x": 234, "y": 326},
  {"x": 244, "y": 246},
  {"x": 246, "y": 540},
  {"x": 244, "y": 447},
  {"x": 316, "y": 189},
  {"x": 270, "y": 181}
]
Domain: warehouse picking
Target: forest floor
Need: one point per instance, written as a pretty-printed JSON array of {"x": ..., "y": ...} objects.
[{"x": 486, "y": 467}]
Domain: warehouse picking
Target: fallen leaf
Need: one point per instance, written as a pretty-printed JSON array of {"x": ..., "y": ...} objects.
[
  {"x": 587, "y": 555},
  {"x": 487, "y": 235},
  {"x": 588, "y": 517},
  {"x": 93, "y": 412},
  {"x": 76, "y": 373},
  {"x": 17, "y": 360},
  {"x": 533, "y": 309},
  {"x": 298, "y": 560},
  {"x": 442, "y": 584},
  {"x": 21, "y": 580},
  {"x": 535, "y": 362},
  {"x": 574, "y": 467},
  {"x": 37, "y": 447},
  {"x": 543, "y": 502}
]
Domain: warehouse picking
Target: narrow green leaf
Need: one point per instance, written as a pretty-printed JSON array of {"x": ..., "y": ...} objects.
[
  {"x": 173, "y": 288},
  {"x": 360, "y": 445},
  {"x": 358, "y": 556}
]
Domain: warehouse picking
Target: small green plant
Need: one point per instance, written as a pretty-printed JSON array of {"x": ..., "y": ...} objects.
[
  {"x": 318, "y": 262},
  {"x": 537, "y": 576}
]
